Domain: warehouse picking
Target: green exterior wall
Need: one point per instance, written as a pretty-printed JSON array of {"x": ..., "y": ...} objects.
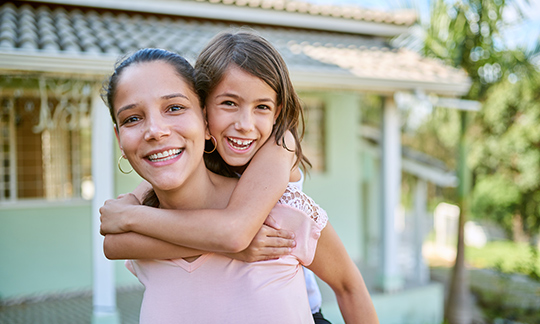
[
  {"x": 337, "y": 189},
  {"x": 45, "y": 248}
]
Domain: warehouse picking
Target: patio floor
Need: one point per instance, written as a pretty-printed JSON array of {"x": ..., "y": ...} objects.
[{"x": 74, "y": 310}]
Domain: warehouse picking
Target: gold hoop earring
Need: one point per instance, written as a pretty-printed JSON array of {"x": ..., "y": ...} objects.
[
  {"x": 214, "y": 141},
  {"x": 120, "y": 167}
]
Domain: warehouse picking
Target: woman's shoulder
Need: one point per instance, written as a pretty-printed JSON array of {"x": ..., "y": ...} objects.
[
  {"x": 296, "y": 198},
  {"x": 224, "y": 187}
]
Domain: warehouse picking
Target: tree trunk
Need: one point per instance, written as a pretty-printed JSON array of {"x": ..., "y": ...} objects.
[
  {"x": 518, "y": 234},
  {"x": 458, "y": 307}
]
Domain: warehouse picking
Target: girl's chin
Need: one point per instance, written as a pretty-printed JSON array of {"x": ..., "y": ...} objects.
[{"x": 237, "y": 162}]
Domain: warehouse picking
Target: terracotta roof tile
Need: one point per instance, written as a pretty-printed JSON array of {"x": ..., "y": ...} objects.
[{"x": 39, "y": 30}]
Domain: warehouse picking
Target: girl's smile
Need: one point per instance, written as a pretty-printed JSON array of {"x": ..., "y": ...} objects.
[{"x": 241, "y": 112}]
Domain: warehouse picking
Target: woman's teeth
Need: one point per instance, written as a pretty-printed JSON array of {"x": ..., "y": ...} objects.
[
  {"x": 239, "y": 144},
  {"x": 164, "y": 156}
]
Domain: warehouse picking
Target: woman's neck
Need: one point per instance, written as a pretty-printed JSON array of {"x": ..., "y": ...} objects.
[{"x": 192, "y": 194}]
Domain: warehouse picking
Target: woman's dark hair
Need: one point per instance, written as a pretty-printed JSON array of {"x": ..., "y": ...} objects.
[
  {"x": 146, "y": 55},
  {"x": 256, "y": 56}
]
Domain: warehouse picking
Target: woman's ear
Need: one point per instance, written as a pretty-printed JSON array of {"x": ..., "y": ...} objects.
[{"x": 118, "y": 139}]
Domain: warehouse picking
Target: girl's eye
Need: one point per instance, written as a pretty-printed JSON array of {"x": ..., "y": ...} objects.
[
  {"x": 228, "y": 103},
  {"x": 263, "y": 107}
]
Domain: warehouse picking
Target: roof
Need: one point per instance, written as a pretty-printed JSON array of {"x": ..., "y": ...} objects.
[
  {"x": 85, "y": 41},
  {"x": 285, "y": 13}
]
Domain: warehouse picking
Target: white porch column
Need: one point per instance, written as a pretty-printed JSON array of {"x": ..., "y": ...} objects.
[
  {"x": 391, "y": 279},
  {"x": 420, "y": 230},
  {"x": 104, "y": 291}
]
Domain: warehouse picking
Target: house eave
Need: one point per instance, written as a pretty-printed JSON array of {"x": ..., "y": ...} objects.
[
  {"x": 90, "y": 65},
  {"x": 243, "y": 15},
  {"x": 351, "y": 82},
  {"x": 101, "y": 65}
]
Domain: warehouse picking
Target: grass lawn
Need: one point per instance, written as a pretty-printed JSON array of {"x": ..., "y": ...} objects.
[
  {"x": 505, "y": 256},
  {"x": 500, "y": 278}
]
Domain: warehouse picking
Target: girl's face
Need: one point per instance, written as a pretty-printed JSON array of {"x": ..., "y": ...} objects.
[
  {"x": 161, "y": 125},
  {"x": 241, "y": 112}
]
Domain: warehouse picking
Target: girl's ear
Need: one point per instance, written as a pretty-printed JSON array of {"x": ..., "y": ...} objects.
[
  {"x": 276, "y": 115},
  {"x": 207, "y": 134},
  {"x": 118, "y": 139}
]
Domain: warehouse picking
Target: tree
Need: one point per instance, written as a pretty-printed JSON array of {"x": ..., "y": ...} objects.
[
  {"x": 467, "y": 34},
  {"x": 505, "y": 154}
]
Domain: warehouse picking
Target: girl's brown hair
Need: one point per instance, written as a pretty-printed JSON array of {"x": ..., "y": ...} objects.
[{"x": 255, "y": 55}]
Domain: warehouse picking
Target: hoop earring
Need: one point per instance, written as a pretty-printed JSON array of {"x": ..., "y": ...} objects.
[
  {"x": 120, "y": 167},
  {"x": 214, "y": 141}
]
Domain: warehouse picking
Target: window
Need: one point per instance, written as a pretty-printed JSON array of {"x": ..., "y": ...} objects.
[
  {"x": 313, "y": 145},
  {"x": 45, "y": 139}
]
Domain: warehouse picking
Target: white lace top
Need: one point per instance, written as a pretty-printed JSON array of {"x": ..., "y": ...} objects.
[{"x": 294, "y": 197}]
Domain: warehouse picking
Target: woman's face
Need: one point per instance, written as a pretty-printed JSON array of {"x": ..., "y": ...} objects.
[
  {"x": 241, "y": 112},
  {"x": 161, "y": 125}
]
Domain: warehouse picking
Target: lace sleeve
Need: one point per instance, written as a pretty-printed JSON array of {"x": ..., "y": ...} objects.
[{"x": 294, "y": 197}]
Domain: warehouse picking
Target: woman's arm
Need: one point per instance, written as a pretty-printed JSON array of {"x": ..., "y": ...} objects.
[
  {"x": 334, "y": 266},
  {"x": 221, "y": 230}
]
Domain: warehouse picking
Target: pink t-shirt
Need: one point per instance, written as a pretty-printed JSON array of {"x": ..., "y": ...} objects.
[{"x": 217, "y": 289}]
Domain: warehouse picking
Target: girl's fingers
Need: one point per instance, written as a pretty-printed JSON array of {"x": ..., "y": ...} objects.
[
  {"x": 277, "y": 242},
  {"x": 270, "y": 221},
  {"x": 271, "y": 232}
]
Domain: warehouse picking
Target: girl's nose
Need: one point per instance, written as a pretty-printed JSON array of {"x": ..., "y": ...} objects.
[{"x": 244, "y": 122}]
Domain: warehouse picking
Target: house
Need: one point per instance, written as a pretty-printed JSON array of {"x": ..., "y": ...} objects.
[{"x": 58, "y": 156}]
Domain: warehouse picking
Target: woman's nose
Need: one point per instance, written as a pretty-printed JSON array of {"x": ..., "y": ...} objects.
[{"x": 156, "y": 128}]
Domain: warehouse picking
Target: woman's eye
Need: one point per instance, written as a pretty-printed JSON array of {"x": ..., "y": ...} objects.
[
  {"x": 131, "y": 119},
  {"x": 176, "y": 108}
]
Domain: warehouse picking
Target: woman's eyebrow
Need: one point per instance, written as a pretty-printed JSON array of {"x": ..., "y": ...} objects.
[
  {"x": 169, "y": 96},
  {"x": 174, "y": 95},
  {"x": 124, "y": 108}
]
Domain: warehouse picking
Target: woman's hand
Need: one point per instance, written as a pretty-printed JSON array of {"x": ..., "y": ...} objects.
[
  {"x": 268, "y": 244},
  {"x": 114, "y": 212}
]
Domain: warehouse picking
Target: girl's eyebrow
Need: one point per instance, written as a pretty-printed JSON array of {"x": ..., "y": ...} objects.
[
  {"x": 235, "y": 96},
  {"x": 169, "y": 96}
]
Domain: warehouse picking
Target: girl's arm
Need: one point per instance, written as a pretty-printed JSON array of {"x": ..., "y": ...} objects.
[
  {"x": 220, "y": 230},
  {"x": 266, "y": 245},
  {"x": 334, "y": 266}
]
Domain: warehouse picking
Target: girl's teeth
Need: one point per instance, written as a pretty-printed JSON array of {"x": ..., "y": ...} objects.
[{"x": 239, "y": 144}]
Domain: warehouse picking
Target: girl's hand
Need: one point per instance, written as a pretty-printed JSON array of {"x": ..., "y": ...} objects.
[
  {"x": 114, "y": 212},
  {"x": 268, "y": 244}
]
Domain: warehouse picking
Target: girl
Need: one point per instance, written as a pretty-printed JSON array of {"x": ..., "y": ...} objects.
[{"x": 243, "y": 102}]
